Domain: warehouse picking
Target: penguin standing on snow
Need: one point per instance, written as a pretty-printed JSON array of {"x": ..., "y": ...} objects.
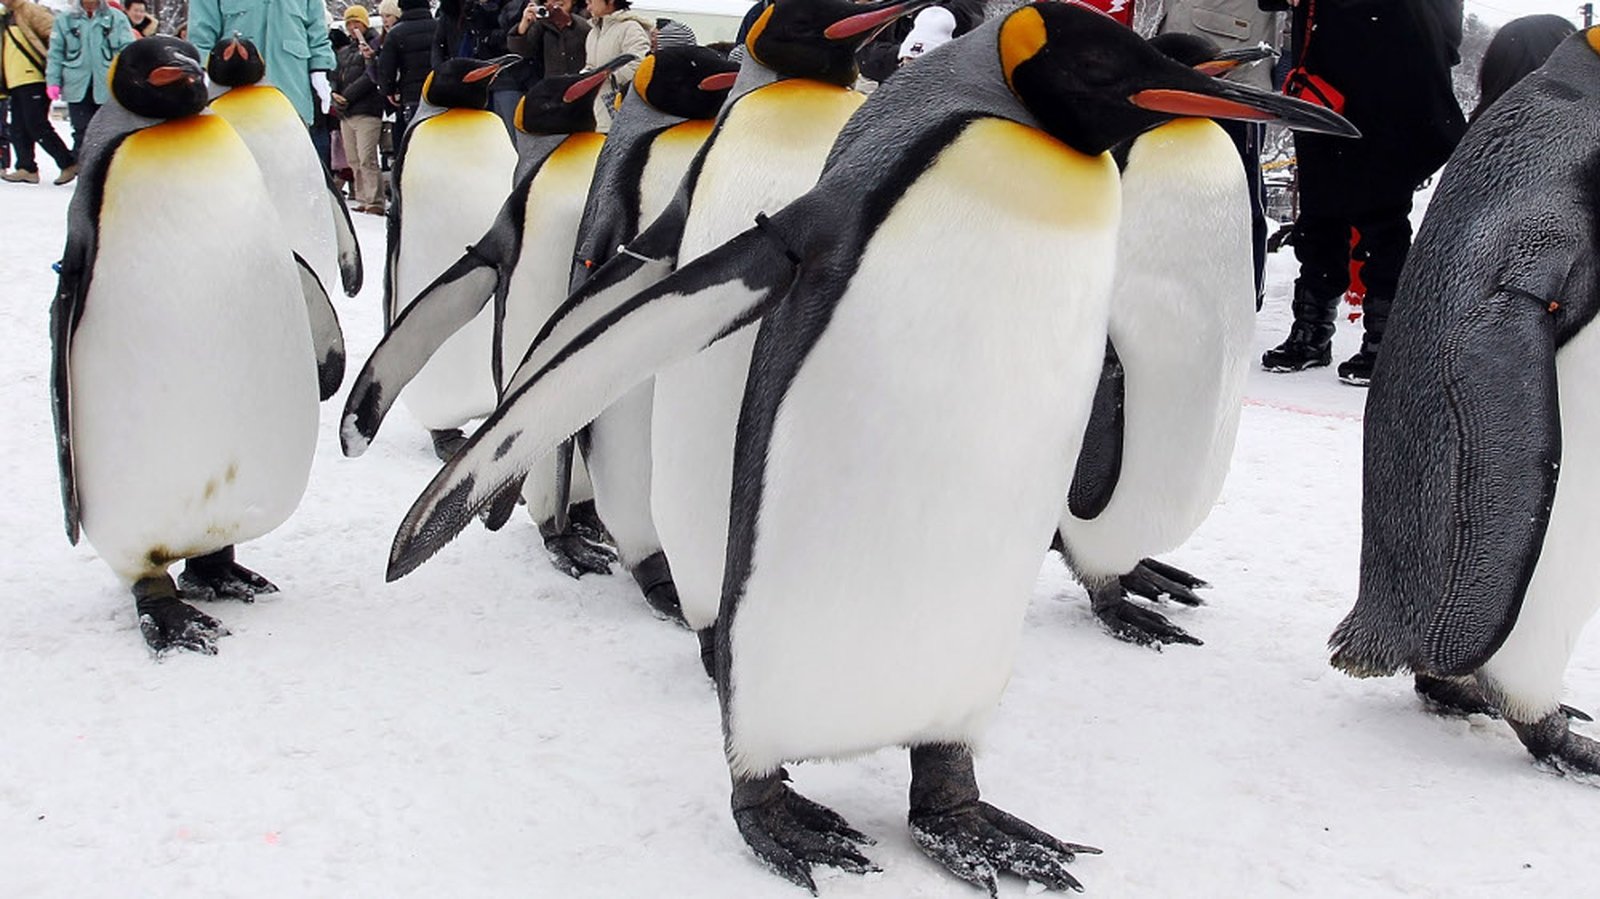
[
  {"x": 450, "y": 176},
  {"x": 309, "y": 204},
  {"x": 902, "y": 422},
  {"x": 1161, "y": 430},
  {"x": 161, "y": 458},
  {"x": 1476, "y": 572},
  {"x": 522, "y": 262}
]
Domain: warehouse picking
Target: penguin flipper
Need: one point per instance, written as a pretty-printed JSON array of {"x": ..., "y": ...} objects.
[
  {"x": 65, "y": 312},
  {"x": 561, "y": 388},
  {"x": 350, "y": 268},
  {"x": 1496, "y": 461},
  {"x": 1099, "y": 466},
  {"x": 327, "y": 339},
  {"x": 443, "y": 308}
]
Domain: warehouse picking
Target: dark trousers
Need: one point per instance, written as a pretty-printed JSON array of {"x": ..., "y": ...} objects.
[
  {"x": 1247, "y": 138},
  {"x": 79, "y": 114},
  {"x": 30, "y": 124},
  {"x": 5, "y": 135}
]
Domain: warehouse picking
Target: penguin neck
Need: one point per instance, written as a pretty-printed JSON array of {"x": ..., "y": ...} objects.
[
  {"x": 752, "y": 76},
  {"x": 534, "y": 149}
]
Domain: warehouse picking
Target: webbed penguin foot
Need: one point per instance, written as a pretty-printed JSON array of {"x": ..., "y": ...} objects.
[
  {"x": 1453, "y": 697},
  {"x": 574, "y": 555},
  {"x": 217, "y": 576},
  {"x": 790, "y": 833},
  {"x": 1156, "y": 580},
  {"x": 1551, "y": 741},
  {"x": 972, "y": 838},
  {"x": 1133, "y": 623},
  {"x": 583, "y": 519},
  {"x": 167, "y": 622},
  {"x": 447, "y": 442},
  {"x": 655, "y": 581}
]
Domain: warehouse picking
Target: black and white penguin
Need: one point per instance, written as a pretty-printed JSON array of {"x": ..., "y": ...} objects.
[
  {"x": 900, "y": 445},
  {"x": 161, "y": 456},
  {"x": 451, "y": 173},
  {"x": 522, "y": 262},
  {"x": 1166, "y": 412},
  {"x": 1476, "y": 572},
  {"x": 309, "y": 204}
]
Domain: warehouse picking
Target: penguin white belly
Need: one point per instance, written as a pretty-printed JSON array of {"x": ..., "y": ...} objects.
[
  {"x": 1182, "y": 322},
  {"x": 277, "y": 138},
  {"x": 770, "y": 150},
  {"x": 457, "y": 173},
  {"x": 619, "y": 457},
  {"x": 538, "y": 287},
  {"x": 915, "y": 462},
  {"x": 1528, "y": 668},
  {"x": 194, "y": 390}
]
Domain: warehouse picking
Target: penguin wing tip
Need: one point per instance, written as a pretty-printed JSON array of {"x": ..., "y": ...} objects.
[{"x": 352, "y": 440}]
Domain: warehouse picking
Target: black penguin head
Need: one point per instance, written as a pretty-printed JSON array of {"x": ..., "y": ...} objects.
[
  {"x": 235, "y": 62},
  {"x": 687, "y": 82},
  {"x": 159, "y": 77},
  {"x": 1093, "y": 83},
  {"x": 463, "y": 83},
  {"x": 564, "y": 104},
  {"x": 818, "y": 39}
]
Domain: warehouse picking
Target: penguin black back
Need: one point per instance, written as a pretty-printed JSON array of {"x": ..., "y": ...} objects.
[
  {"x": 159, "y": 77},
  {"x": 688, "y": 82},
  {"x": 235, "y": 62},
  {"x": 818, "y": 39},
  {"x": 462, "y": 83}
]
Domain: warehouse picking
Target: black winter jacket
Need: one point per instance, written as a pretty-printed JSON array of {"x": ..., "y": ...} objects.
[
  {"x": 407, "y": 56},
  {"x": 549, "y": 50},
  {"x": 349, "y": 80},
  {"x": 469, "y": 28}
]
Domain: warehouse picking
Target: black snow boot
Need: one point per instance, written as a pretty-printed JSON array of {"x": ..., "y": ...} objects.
[
  {"x": 1310, "y": 342},
  {"x": 1357, "y": 370}
]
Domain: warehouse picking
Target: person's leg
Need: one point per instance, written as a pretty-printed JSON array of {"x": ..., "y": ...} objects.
[
  {"x": 347, "y": 134},
  {"x": 80, "y": 114},
  {"x": 1247, "y": 138},
  {"x": 5, "y": 134},
  {"x": 1385, "y": 241},
  {"x": 44, "y": 132},
  {"x": 369, "y": 180},
  {"x": 1322, "y": 246},
  {"x": 504, "y": 104}
]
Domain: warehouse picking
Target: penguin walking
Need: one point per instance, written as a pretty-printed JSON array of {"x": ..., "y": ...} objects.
[
  {"x": 450, "y": 175},
  {"x": 902, "y": 421},
  {"x": 523, "y": 262},
  {"x": 161, "y": 458},
  {"x": 308, "y": 202},
  {"x": 1476, "y": 571},
  {"x": 1166, "y": 412}
]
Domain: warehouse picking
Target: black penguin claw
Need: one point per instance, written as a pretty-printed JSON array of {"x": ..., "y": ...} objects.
[
  {"x": 1157, "y": 580},
  {"x": 1551, "y": 741},
  {"x": 790, "y": 833},
  {"x": 1144, "y": 627},
  {"x": 576, "y": 557},
  {"x": 167, "y": 623},
  {"x": 217, "y": 576},
  {"x": 977, "y": 841}
]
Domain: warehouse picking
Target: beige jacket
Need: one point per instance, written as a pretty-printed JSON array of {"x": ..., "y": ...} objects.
[
  {"x": 609, "y": 37},
  {"x": 1233, "y": 24}
]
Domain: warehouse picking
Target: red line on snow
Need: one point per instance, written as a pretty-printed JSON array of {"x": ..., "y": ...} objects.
[{"x": 1303, "y": 410}]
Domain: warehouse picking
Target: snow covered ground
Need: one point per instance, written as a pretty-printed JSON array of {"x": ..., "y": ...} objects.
[{"x": 489, "y": 727}]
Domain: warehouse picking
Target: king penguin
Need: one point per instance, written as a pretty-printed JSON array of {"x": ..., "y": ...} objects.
[
  {"x": 1476, "y": 573},
  {"x": 312, "y": 211},
  {"x": 161, "y": 457},
  {"x": 523, "y": 263},
  {"x": 901, "y": 421},
  {"x": 1166, "y": 412},
  {"x": 451, "y": 173}
]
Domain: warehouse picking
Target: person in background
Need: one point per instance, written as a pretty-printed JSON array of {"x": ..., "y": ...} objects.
[
  {"x": 405, "y": 61},
  {"x": 24, "y": 44},
  {"x": 469, "y": 28},
  {"x": 360, "y": 108},
  {"x": 614, "y": 31},
  {"x": 933, "y": 27},
  {"x": 5, "y": 133},
  {"x": 1519, "y": 47},
  {"x": 139, "y": 17},
  {"x": 671, "y": 33},
  {"x": 292, "y": 36},
  {"x": 1237, "y": 25},
  {"x": 881, "y": 56},
  {"x": 550, "y": 37},
  {"x": 1386, "y": 68},
  {"x": 389, "y": 12},
  {"x": 83, "y": 41}
]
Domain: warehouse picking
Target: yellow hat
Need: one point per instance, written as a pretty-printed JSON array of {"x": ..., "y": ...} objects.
[{"x": 358, "y": 13}]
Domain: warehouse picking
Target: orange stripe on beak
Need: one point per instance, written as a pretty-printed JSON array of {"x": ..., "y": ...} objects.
[
  {"x": 861, "y": 23},
  {"x": 165, "y": 75},
  {"x": 1184, "y": 103},
  {"x": 481, "y": 73},
  {"x": 719, "y": 82},
  {"x": 583, "y": 86}
]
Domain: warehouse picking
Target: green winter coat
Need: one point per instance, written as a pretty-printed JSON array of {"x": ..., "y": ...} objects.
[
  {"x": 291, "y": 34},
  {"x": 81, "y": 49}
]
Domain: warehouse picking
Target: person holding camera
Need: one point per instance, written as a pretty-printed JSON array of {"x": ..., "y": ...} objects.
[
  {"x": 360, "y": 107},
  {"x": 550, "y": 37}
]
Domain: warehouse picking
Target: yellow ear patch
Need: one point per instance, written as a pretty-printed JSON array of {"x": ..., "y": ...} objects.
[
  {"x": 516, "y": 118},
  {"x": 754, "y": 34},
  {"x": 642, "y": 76},
  {"x": 1021, "y": 38},
  {"x": 1592, "y": 35},
  {"x": 427, "y": 86},
  {"x": 111, "y": 73}
]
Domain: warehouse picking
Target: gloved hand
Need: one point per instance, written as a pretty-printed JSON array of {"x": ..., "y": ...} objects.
[
  {"x": 319, "y": 87},
  {"x": 53, "y": 92}
]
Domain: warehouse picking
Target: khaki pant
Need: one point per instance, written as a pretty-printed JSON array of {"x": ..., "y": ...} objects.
[{"x": 361, "y": 148}]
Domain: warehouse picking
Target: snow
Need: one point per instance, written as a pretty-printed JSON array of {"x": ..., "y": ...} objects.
[{"x": 489, "y": 727}]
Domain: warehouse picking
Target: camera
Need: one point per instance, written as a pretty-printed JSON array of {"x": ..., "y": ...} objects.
[{"x": 541, "y": 11}]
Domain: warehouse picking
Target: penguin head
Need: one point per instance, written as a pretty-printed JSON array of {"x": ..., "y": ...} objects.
[
  {"x": 564, "y": 104},
  {"x": 1092, "y": 83},
  {"x": 687, "y": 82},
  {"x": 818, "y": 39},
  {"x": 235, "y": 62},
  {"x": 463, "y": 83},
  {"x": 159, "y": 77}
]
